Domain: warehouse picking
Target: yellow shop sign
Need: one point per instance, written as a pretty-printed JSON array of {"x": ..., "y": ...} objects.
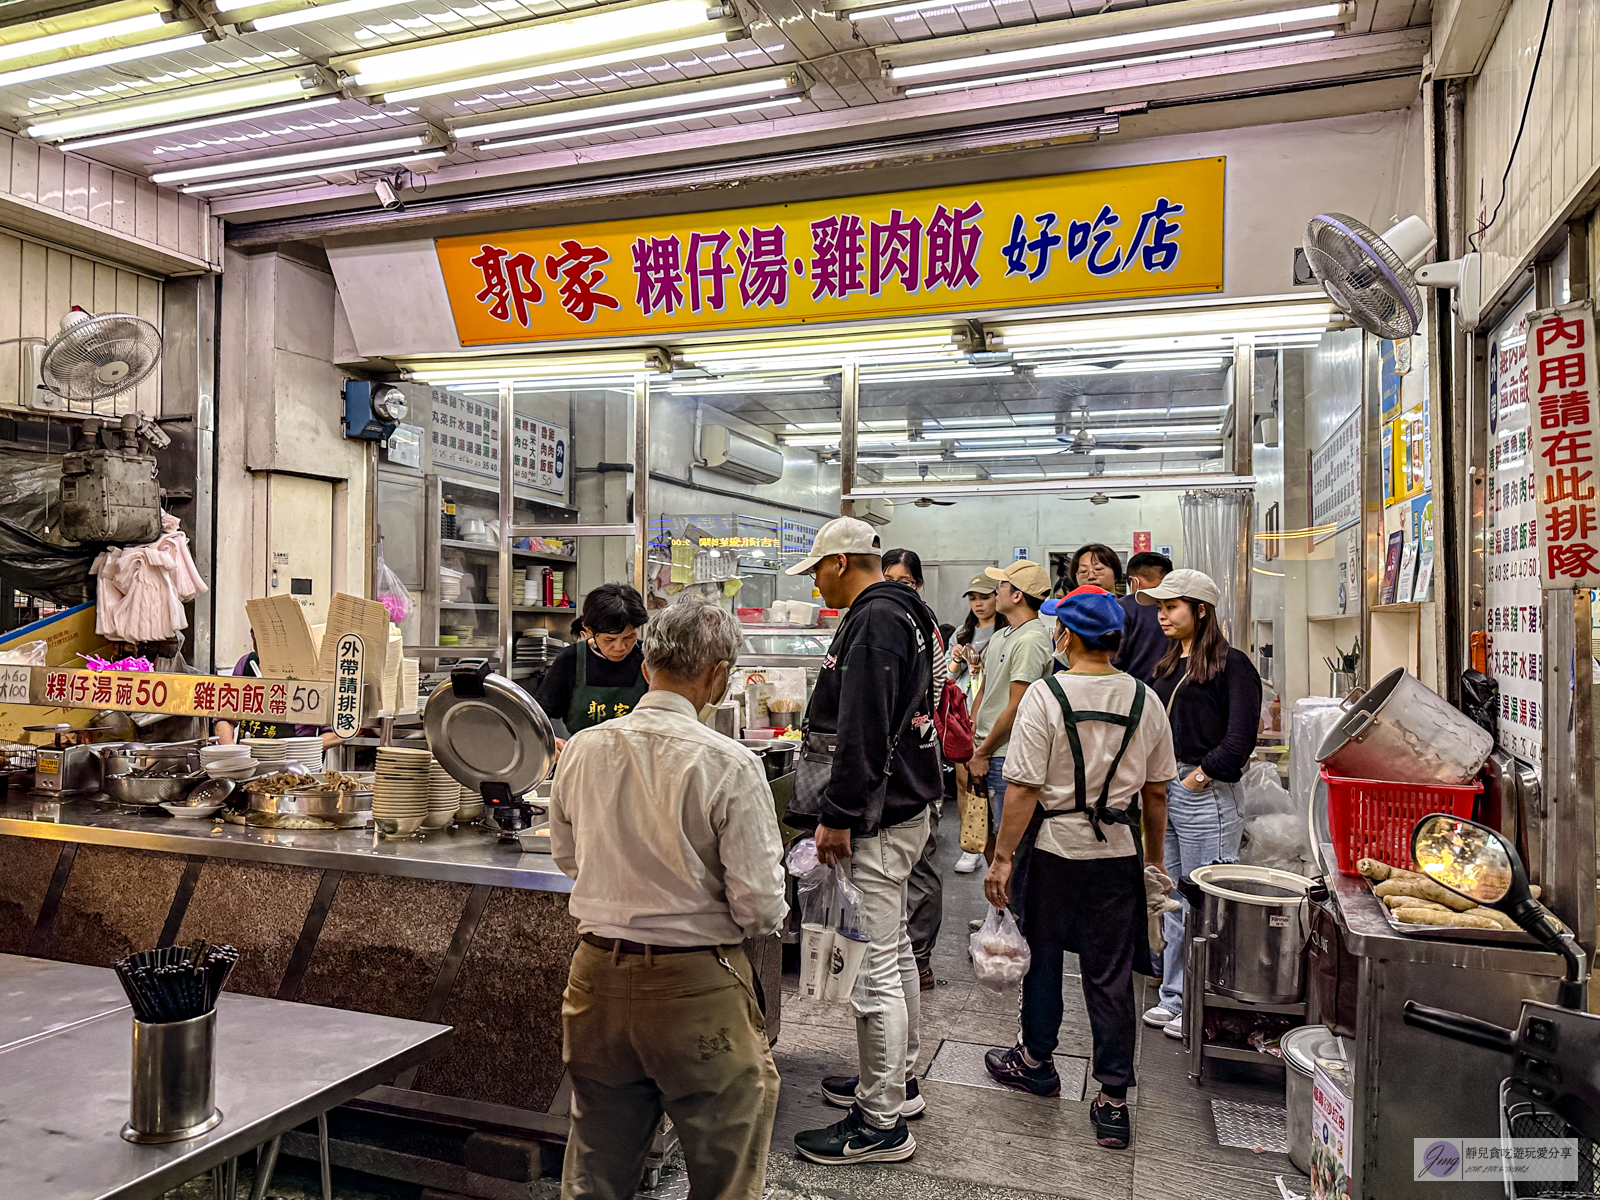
[{"x": 1151, "y": 230}]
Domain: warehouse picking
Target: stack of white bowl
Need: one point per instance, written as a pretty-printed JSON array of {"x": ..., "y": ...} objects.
[
  {"x": 227, "y": 762},
  {"x": 272, "y": 751},
  {"x": 400, "y": 790},
  {"x": 469, "y": 805},
  {"x": 307, "y": 751},
  {"x": 444, "y": 797}
]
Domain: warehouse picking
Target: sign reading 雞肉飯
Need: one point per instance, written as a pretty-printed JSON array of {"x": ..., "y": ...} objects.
[{"x": 1130, "y": 231}]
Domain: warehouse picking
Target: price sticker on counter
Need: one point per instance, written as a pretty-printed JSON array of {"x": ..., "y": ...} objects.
[
  {"x": 14, "y": 684},
  {"x": 347, "y": 686}
]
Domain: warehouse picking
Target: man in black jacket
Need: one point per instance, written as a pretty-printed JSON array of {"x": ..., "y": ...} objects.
[{"x": 874, "y": 693}]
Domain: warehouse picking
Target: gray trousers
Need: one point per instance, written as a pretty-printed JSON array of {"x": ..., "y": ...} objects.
[{"x": 925, "y": 896}]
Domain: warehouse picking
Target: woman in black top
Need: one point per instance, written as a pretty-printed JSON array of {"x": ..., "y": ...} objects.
[
  {"x": 595, "y": 680},
  {"x": 1213, "y": 698}
]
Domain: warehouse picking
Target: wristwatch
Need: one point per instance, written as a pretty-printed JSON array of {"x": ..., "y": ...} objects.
[{"x": 1201, "y": 777}]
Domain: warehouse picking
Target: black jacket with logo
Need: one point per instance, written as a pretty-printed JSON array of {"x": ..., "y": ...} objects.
[{"x": 880, "y": 661}]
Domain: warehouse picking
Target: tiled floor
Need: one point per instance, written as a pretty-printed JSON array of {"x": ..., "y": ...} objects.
[{"x": 977, "y": 1142}]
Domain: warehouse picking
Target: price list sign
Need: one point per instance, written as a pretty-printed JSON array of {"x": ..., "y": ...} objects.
[
  {"x": 1514, "y": 600},
  {"x": 1562, "y": 411}
]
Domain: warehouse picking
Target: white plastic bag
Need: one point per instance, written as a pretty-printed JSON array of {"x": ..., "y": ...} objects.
[
  {"x": 1260, "y": 793},
  {"x": 832, "y": 942},
  {"x": 1000, "y": 956},
  {"x": 29, "y": 654}
]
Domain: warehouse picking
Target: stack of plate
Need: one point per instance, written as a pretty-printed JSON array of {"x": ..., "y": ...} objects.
[
  {"x": 400, "y": 790},
  {"x": 470, "y": 805},
  {"x": 307, "y": 751},
  {"x": 444, "y": 797},
  {"x": 272, "y": 751},
  {"x": 227, "y": 762}
]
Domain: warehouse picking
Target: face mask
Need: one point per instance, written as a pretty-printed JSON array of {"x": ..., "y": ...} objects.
[{"x": 711, "y": 706}]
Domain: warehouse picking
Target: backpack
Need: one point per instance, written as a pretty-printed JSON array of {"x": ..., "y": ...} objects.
[{"x": 953, "y": 720}]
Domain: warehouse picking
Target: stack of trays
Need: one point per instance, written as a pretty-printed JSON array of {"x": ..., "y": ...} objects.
[
  {"x": 444, "y": 797},
  {"x": 400, "y": 790}
]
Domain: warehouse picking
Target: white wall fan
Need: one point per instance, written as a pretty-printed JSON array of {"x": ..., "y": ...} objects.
[{"x": 1374, "y": 278}]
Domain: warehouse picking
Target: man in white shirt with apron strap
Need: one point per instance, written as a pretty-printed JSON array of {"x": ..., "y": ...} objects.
[{"x": 1088, "y": 743}]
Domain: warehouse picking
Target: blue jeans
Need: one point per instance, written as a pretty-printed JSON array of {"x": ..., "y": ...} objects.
[
  {"x": 996, "y": 783},
  {"x": 1202, "y": 827}
]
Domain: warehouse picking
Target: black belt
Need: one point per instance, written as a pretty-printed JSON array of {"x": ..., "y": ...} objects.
[{"x": 622, "y": 946}]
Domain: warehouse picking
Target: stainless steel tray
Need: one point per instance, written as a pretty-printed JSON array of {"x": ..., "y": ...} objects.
[
  {"x": 1453, "y": 933},
  {"x": 313, "y": 802}
]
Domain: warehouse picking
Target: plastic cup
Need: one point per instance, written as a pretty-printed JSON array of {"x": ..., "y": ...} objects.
[
  {"x": 816, "y": 952},
  {"x": 844, "y": 964}
]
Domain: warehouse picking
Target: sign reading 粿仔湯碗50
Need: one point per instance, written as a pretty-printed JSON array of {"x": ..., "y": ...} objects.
[{"x": 1130, "y": 231}]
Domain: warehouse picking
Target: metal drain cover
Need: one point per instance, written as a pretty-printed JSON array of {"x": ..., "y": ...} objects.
[{"x": 1251, "y": 1126}]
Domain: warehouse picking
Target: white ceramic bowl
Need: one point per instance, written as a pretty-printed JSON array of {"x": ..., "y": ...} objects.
[{"x": 193, "y": 812}]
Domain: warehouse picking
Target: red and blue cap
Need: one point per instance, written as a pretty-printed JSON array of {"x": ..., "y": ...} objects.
[{"x": 1090, "y": 612}]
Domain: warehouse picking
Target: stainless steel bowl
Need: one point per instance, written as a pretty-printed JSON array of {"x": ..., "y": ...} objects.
[
  {"x": 151, "y": 790},
  {"x": 313, "y": 802}
]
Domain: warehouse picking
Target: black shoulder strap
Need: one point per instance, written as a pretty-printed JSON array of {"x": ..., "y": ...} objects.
[{"x": 1102, "y": 810}]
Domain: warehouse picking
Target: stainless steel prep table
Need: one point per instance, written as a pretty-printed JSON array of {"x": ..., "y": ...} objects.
[
  {"x": 64, "y": 1094},
  {"x": 39, "y": 998},
  {"x": 1410, "y": 1083}
]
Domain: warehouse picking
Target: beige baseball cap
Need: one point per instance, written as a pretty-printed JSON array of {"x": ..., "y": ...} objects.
[
  {"x": 1196, "y": 585},
  {"x": 1025, "y": 575},
  {"x": 980, "y": 583},
  {"x": 842, "y": 535}
]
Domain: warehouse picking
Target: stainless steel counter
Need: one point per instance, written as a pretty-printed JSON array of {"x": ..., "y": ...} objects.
[{"x": 471, "y": 854}]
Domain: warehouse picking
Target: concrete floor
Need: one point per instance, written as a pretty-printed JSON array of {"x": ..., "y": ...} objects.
[{"x": 975, "y": 1142}]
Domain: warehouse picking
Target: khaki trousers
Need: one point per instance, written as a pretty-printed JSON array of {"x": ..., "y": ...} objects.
[{"x": 678, "y": 1033}]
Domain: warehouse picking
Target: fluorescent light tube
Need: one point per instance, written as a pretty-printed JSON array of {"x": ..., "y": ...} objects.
[
  {"x": 984, "y": 63},
  {"x": 737, "y": 387},
  {"x": 287, "y": 160},
  {"x": 77, "y": 37},
  {"x": 535, "y": 70},
  {"x": 333, "y": 169},
  {"x": 958, "y": 85},
  {"x": 105, "y": 58},
  {"x": 319, "y": 12},
  {"x": 682, "y": 115},
  {"x": 185, "y": 103},
  {"x": 676, "y": 98},
  {"x": 228, "y": 118}
]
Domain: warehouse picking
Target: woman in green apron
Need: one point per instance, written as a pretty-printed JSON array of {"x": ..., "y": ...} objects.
[{"x": 602, "y": 677}]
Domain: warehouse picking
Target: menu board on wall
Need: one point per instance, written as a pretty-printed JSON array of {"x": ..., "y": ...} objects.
[
  {"x": 465, "y": 436},
  {"x": 1512, "y": 553},
  {"x": 1336, "y": 480}
]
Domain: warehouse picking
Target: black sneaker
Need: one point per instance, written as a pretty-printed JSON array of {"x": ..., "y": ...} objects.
[
  {"x": 852, "y": 1140},
  {"x": 840, "y": 1091},
  {"x": 1008, "y": 1067},
  {"x": 1111, "y": 1125}
]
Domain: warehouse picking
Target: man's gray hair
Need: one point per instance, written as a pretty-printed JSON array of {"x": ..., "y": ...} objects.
[{"x": 689, "y": 635}]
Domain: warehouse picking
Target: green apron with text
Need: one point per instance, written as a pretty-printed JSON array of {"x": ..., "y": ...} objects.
[{"x": 591, "y": 704}]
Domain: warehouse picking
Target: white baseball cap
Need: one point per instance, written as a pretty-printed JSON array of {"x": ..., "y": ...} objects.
[
  {"x": 1196, "y": 585},
  {"x": 843, "y": 535}
]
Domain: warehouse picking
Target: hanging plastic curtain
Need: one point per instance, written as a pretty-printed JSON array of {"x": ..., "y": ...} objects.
[{"x": 1216, "y": 539}]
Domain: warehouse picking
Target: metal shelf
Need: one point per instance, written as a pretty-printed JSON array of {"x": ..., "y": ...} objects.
[
  {"x": 1216, "y": 1000},
  {"x": 516, "y": 608},
  {"x": 491, "y": 549},
  {"x": 1234, "y": 1054}
]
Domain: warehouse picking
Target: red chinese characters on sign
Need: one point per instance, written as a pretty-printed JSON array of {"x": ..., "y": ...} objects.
[
  {"x": 509, "y": 283},
  {"x": 578, "y": 269},
  {"x": 1566, "y": 444}
]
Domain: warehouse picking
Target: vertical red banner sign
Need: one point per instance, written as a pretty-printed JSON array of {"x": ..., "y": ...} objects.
[{"x": 1566, "y": 444}]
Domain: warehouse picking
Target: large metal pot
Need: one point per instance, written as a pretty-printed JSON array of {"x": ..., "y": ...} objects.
[
  {"x": 1255, "y": 923},
  {"x": 1301, "y": 1049},
  {"x": 1401, "y": 732}
]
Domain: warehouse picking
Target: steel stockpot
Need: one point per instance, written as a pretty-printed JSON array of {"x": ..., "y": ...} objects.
[
  {"x": 1255, "y": 922},
  {"x": 1401, "y": 732}
]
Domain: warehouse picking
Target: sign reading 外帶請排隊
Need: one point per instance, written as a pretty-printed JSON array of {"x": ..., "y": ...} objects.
[
  {"x": 1153, "y": 230},
  {"x": 347, "y": 678},
  {"x": 1566, "y": 444}
]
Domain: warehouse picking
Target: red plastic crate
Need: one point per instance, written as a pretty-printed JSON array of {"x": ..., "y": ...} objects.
[{"x": 1371, "y": 818}]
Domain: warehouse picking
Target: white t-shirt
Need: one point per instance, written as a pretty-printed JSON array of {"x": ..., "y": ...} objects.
[{"x": 1040, "y": 756}]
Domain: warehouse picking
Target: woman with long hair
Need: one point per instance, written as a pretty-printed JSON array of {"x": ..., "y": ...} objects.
[
  {"x": 982, "y": 621},
  {"x": 1213, "y": 697}
]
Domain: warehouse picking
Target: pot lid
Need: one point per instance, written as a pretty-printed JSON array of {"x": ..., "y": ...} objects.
[
  {"x": 1246, "y": 884},
  {"x": 1304, "y": 1046},
  {"x": 484, "y": 729}
]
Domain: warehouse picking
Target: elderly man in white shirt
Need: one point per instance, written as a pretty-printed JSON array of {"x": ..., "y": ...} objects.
[{"x": 668, "y": 831}]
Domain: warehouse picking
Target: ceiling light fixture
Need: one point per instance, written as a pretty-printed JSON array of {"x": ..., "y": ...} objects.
[
  {"x": 996, "y": 50},
  {"x": 365, "y": 150},
  {"x": 583, "y": 131},
  {"x": 153, "y": 131},
  {"x": 1306, "y": 318},
  {"x": 529, "y": 366},
  {"x": 960, "y": 85},
  {"x": 735, "y": 387},
  {"x": 260, "y": 18},
  {"x": 106, "y": 58},
  {"x": 535, "y": 48},
  {"x": 66, "y": 39},
  {"x": 396, "y": 160},
  {"x": 179, "y": 105},
  {"x": 672, "y": 96}
]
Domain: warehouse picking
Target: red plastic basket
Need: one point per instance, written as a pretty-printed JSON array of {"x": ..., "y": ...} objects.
[{"x": 1371, "y": 818}]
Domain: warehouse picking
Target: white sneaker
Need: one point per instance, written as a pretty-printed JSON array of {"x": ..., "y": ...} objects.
[
  {"x": 968, "y": 863},
  {"x": 1157, "y": 1017},
  {"x": 1174, "y": 1028}
]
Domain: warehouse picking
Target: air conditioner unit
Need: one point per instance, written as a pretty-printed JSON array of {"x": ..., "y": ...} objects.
[
  {"x": 731, "y": 453},
  {"x": 875, "y": 511}
]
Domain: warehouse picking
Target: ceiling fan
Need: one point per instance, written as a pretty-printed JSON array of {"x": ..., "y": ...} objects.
[
  {"x": 1084, "y": 442},
  {"x": 1102, "y": 498}
]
